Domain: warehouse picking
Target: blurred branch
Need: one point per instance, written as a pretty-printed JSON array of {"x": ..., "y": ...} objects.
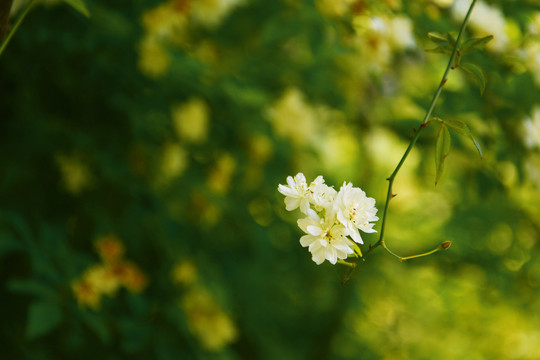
[
  {"x": 425, "y": 122},
  {"x": 5, "y": 9},
  {"x": 12, "y": 31}
]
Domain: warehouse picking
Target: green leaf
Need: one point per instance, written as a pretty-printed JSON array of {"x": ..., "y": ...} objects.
[
  {"x": 439, "y": 37},
  {"x": 43, "y": 317},
  {"x": 97, "y": 324},
  {"x": 463, "y": 129},
  {"x": 442, "y": 149},
  {"x": 475, "y": 43},
  {"x": 79, "y": 5},
  {"x": 477, "y": 147},
  {"x": 33, "y": 287},
  {"x": 443, "y": 49},
  {"x": 459, "y": 126},
  {"x": 445, "y": 42},
  {"x": 8, "y": 243},
  {"x": 476, "y": 73}
]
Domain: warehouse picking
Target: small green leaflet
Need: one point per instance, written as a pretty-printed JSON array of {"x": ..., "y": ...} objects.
[
  {"x": 476, "y": 73},
  {"x": 442, "y": 149},
  {"x": 475, "y": 43},
  {"x": 440, "y": 37},
  {"x": 463, "y": 129},
  {"x": 445, "y": 42},
  {"x": 43, "y": 317},
  {"x": 79, "y": 5},
  {"x": 33, "y": 287}
]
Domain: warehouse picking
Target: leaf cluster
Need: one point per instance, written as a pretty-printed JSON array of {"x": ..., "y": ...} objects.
[
  {"x": 443, "y": 142},
  {"x": 446, "y": 42}
]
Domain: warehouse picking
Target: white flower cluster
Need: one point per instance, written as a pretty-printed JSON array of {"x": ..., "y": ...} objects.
[{"x": 333, "y": 218}]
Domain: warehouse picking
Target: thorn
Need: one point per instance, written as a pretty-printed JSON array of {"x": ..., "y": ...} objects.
[
  {"x": 445, "y": 80},
  {"x": 394, "y": 195},
  {"x": 423, "y": 125},
  {"x": 387, "y": 179}
]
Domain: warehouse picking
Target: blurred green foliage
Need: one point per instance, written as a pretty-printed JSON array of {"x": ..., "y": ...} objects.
[{"x": 141, "y": 150}]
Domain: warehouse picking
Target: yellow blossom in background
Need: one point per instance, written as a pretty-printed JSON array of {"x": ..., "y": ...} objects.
[
  {"x": 184, "y": 273},
  {"x": 191, "y": 120},
  {"x": 154, "y": 60},
  {"x": 130, "y": 276},
  {"x": 260, "y": 149},
  {"x": 292, "y": 105},
  {"x": 109, "y": 248},
  {"x": 531, "y": 129},
  {"x": 443, "y": 3},
  {"x": 210, "y": 13},
  {"x": 207, "y": 52},
  {"x": 163, "y": 25},
  {"x": 531, "y": 58},
  {"x": 339, "y": 150},
  {"x": 169, "y": 24},
  {"x": 107, "y": 277},
  {"x": 334, "y": 8},
  {"x": 174, "y": 162},
  {"x": 76, "y": 175},
  {"x": 166, "y": 21},
  {"x": 220, "y": 176},
  {"x": 211, "y": 214},
  {"x": 85, "y": 294},
  {"x": 380, "y": 36},
  {"x": 372, "y": 41},
  {"x": 207, "y": 321},
  {"x": 101, "y": 278},
  {"x": 401, "y": 33},
  {"x": 534, "y": 24}
]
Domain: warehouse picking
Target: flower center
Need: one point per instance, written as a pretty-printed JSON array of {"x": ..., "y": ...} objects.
[{"x": 328, "y": 236}]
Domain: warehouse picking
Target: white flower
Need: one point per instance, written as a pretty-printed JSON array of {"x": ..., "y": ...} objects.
[
  {"x": 355, "y": 211},
  {"x": 531, "y": 129},
  {"x": 331, "y": 216},
  {"x": 296, "y": 194},
  {"x": 322, "y": 195},
  {"x": 401, "y": 33},
  {"x": 325, "y": 239}
]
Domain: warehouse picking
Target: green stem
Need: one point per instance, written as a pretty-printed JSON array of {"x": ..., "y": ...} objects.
[
  {"x": 450, "y": 62},
  {"x": 425, "y": 122},
  {"x": 16, "y": 26},
  {"x": 346, "y": 263},
  {"x": 403, "y": 258},
  {"x": 445, "y": 245}
]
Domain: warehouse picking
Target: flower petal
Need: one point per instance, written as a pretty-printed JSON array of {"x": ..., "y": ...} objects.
[
  {"x": 341, "y": 255},
  {"x": 319, "y": 256},
  {"x": 343, "y": 247},
  {"x": 307, "y": 240},
  {"x": 287, "y": 191},
  {"x": 291, "y": 203},
  {"x": 314, "y": 230},
  {"x": 290, "y": 181},
  {"x": 355, "y": 235},
  {"x": 331, "y": 255},
  {"x": 304, "y": 205}
]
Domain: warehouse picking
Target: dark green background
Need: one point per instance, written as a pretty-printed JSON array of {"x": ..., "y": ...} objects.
[{"x": 71, "y": 86}]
